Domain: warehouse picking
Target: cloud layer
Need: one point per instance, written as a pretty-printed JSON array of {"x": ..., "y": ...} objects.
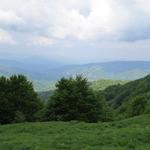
[
  {"x": 74, "y": 25},
  {"x": 5, "y": 37},
  {"x": 76, "y": 19}
]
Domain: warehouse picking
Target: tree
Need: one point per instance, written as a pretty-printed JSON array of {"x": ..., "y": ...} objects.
[
  {"x": 74, "y": 100},
  {"x": 17, "y": 95}
]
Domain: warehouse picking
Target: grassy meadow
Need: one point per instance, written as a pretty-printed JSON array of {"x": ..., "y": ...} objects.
[{"x": 129, "y": 134}]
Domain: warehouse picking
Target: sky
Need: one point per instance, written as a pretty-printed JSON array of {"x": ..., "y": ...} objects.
[{"x": 75, "y": 31}]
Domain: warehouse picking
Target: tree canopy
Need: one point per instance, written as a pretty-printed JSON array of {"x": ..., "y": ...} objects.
[
  {"x": 73, "y": 99},
  {"x": 17, "y": 97}
]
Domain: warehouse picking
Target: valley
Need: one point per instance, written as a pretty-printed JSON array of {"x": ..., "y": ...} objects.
[{"x": 45, "y": 75}]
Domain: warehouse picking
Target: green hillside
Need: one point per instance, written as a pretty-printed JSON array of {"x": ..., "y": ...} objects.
[
  {"x": 122, "y": 93},
  {"x": 130, "y": 134},
  {"x": 47, "y": 87},
  {"x": 132, "y": 98},
  {"x": 103, "y": 84}
]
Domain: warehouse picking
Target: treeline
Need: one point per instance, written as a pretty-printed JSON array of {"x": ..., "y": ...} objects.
[{"x": 73, "y": 99}]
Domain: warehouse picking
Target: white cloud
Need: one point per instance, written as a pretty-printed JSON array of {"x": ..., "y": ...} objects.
[
  {"x": 143, "y": 5},
  {"x": 72, "y": 23},
  {"x": 6, "y": 38},
  {"x": 43, "y": 41},
  {"x": 76, "y": 19},
  {"x": 9, "y": 17}
]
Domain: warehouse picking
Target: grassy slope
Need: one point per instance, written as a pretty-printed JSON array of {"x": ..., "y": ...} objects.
[{"x": 128, "y": 134}]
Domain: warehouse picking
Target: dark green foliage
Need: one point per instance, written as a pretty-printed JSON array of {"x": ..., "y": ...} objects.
[
  {"x": 40, "y": 115},
  {"x": 107, "y": 113},
  {"x": 111, "y": 92},
  {"x": 123, "y": 93},
  {"x": 19, "y": 117},
  {"x": 17, "y": 99},
  {"x": 130, "y": 99},
  {"x": 138, "y": 105},
  {"x": 74, "y": 100}
]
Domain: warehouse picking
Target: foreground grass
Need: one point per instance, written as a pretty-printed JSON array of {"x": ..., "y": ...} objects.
[{"x": 130, "y": 134}]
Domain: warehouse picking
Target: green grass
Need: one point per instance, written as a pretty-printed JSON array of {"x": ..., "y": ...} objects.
[{"x": 130, "y": 134}]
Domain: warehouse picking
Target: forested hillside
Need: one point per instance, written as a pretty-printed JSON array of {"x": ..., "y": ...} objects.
[
  {"x": 132, "y": 98},
  {"x": 103, "y": 84}
]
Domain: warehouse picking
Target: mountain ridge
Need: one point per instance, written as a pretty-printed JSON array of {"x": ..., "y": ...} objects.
[{"x": 44, "y": 74}]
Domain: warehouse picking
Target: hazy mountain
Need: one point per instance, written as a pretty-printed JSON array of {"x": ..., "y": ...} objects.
[
  {"x": 123, "y": 70},
  {"x": 34, "y": 68},
  {"x": 45, "y": 72}
]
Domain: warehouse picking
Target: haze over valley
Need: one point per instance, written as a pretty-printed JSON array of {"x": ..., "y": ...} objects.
[{"x": 45, "y": 73}]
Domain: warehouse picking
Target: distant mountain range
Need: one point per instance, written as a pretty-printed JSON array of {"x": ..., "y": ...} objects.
[{"x": 44, "y": 72}]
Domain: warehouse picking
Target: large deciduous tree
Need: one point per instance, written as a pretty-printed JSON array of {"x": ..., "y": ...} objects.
[
  {"x": 18, "y": 100},
  {"x": 74, "y": 100}
]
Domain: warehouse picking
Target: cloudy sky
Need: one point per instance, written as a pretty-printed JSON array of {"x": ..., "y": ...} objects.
[{"x": 75, "y": 30}]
